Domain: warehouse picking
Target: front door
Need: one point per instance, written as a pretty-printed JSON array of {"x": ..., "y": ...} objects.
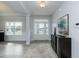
[{"x": 41, "y": 29}]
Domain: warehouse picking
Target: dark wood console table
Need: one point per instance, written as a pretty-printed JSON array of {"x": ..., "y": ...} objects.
[{"x": 61, "y": 45}]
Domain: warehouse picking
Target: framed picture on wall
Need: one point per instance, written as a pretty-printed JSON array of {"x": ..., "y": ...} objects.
[{"x": 63, "y": 25}]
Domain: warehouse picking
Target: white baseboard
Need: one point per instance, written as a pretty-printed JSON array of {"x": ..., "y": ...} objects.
[{"x": 27, "y": 43}]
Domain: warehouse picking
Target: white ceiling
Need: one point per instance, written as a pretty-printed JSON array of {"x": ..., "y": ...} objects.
[{"x": 31, "y": 7}]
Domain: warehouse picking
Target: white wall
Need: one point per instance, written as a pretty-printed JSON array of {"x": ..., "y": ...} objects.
[
  {"x": 36, "y": 37},
  {"x": 28, "y": 34},
  {"x": 13, "y": 18},
  {"x": 71, "y": 8}
]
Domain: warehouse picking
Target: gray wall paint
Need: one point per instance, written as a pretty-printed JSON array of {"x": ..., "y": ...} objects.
[
  {"x": 72, "y": 9},
  {"x": 14, "y": 18},
  {"x": 27, "y": 34}
]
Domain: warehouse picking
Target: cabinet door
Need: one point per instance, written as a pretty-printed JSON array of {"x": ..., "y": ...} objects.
[
  {"x": 1, "y": 36},
  {"x": 59, "y": 47},
  {"x": 66, "y": 46}
]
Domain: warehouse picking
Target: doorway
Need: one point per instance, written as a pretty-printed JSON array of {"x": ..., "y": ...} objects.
[{"x": 41, "y": 29}]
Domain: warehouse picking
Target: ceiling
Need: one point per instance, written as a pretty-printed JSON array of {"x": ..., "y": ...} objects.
[{"x": 31, "y": 7}]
